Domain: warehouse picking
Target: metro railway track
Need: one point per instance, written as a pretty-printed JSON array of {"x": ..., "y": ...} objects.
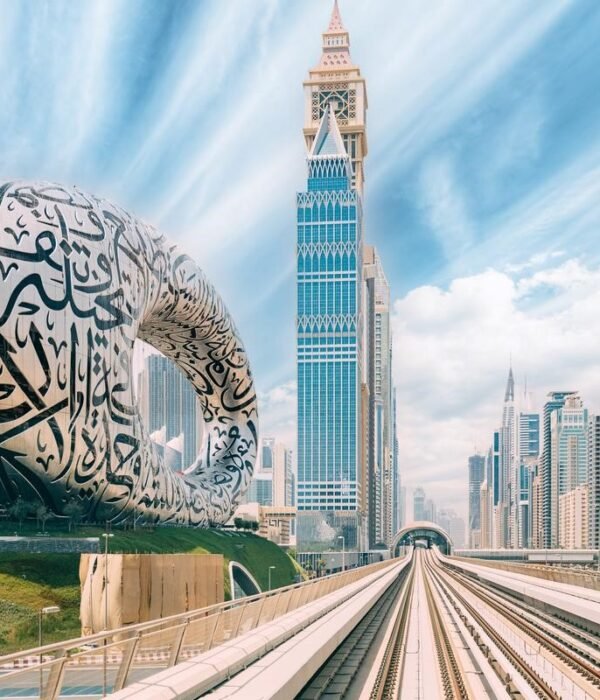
[
  {"x": 538, "y": 685},
  {"x": 453, "y": 678},
  {"x": 335, "y": 677},
  {"x": 447, "y": 635},
  {"x": 580, "y": 640},
  {"x": 589, "y": 675}
]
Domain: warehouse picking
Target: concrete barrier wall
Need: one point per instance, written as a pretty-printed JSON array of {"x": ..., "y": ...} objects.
[{"x": 586, "y": 579}]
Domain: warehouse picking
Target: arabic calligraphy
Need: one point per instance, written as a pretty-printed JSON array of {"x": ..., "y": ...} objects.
[{"x": 80, "y": 280}]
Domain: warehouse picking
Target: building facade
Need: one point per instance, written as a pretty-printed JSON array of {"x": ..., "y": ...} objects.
[
  {"x": 528, "y": 454},
  {"x": 508, "y": 466},
  {"x": 593, "y": 444},
  {"x": 171, "y": 411},
  {"x": 476, "y": 478},
  {"x": 419, "y": 504},
  {"x": 277, "y": 461},
  {"x": 568, "y": 455},
  {"x": 573, "y": 515},
  {"x": 329, "y": 328},
  {"x": 383, "y": 479},
  {"x": 485, "y": 530},
  {"x": 556, "y": 400}
]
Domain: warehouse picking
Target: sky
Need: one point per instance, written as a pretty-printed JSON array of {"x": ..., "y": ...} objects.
[{"x": 482, "y": 188}]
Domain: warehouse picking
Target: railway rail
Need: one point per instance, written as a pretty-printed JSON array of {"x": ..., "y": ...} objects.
[
  {"x": 439, "y": 632},
  {"x": 570, "y": 664}
]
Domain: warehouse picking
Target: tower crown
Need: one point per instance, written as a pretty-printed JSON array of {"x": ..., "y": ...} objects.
[
  {"x": 336, "y": 82},
  {"x": 336, "y": 42}
]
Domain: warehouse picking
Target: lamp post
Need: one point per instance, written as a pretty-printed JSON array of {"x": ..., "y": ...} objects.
[
  {"x": 106, "y": 535},
  {"x": 341, "y": 537},
  {"x": 48, "y": 610},
  {"x": 270, "y": 568}
]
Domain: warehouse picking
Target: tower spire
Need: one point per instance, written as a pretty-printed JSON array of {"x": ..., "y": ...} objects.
[
  {"x": 335, "y": 23},
  {"x": 336, "y": 42},
  {"x": 509, "y": 394}
]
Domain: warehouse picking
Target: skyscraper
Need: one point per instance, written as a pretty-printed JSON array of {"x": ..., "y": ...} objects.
[
  {"x": 332, "y": 449},
  {"x": 476, "y": 478},
  {"x": 419, "y": 504},
  {"x": 398, "y": 498},
  {"x": 529, "y": 448},
  {"x": 568, "y": 456},
  {"x": 556, "y": 400},
  {"x": 593, "y": 441},
  {"x": 508, "y": 464},
  {"x": 381, "y": 424},
  {"x": 170, "y": 409}
]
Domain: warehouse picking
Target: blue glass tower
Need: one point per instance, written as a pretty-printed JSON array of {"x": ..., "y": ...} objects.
[{"x": 329, "y": 328}]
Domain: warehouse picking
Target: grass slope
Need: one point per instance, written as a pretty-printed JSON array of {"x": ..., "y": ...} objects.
[{"x": 29, "y": 582}]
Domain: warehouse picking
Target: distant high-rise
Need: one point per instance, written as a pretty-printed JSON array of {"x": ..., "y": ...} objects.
[
  {"x": 556, "y": 400},
  {"x": 171, "y": 411},
  {"x": 593, "y": 444},
  {"x": 453, "y": 524},
  {"x": 529, "y": 434},
  {"x": 476, "y": 478},
  {"x": 260, "y": 490},
  {"x": 568, "y": 456},
  {"x": 419, "y": 504},
  {"x": 378, "y": 355},
  {"x": 398, "y": 498},
  {"x": 485, "y": 504},
  {"x": 528, "y": 452},
  {"x": 329, "y": 314},
  {"x": 508, "y": 464}
]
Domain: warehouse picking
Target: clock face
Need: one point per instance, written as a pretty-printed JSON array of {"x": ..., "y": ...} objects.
[{"x": 343, "y": 99}]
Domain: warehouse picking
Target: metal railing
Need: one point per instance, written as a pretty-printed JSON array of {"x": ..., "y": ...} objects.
[{"x": 105, "y": 662}]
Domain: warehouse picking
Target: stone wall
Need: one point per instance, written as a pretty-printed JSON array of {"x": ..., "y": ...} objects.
[{"x": 145, "y": 587}]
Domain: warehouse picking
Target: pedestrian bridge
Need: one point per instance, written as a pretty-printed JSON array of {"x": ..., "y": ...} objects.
[{"x": 422, "y": 531}]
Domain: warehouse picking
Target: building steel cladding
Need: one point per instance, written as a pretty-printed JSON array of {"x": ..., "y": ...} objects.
[{"x": 81, "y": 280}]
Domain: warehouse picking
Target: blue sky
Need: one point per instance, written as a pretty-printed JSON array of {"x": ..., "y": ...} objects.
[{"x": 482, "y": 180}]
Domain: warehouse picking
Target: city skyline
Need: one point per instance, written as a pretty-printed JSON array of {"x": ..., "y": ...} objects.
[{"x": 481, "y": 263}]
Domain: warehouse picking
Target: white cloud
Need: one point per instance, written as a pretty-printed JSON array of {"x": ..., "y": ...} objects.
[
  {"x": 277, "y": 413},
  {"x": 451, "y": 358}
]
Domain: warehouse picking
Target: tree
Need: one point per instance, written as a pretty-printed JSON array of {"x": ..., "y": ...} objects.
[
  {"x": 42, "y": 514},
  {"x": 238, "y": 523},
  {"x": 254, "y": 526},
  {"x": 73, "y": 511},
  {"x": 20, "y": 510}
]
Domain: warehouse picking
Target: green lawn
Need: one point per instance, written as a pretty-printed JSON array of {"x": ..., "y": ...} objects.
[{"x": 29, "y": 582}]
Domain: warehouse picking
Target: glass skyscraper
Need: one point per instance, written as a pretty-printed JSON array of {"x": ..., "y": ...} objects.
[
  {"x": 329, "y": 326},
  {"x": 332, "y": 478},
  {"x": 171, "y": 409}
]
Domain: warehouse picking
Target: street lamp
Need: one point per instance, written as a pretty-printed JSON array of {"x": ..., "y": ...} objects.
[
  {"x": 48, "y": 610},
  {"x": 341, "y": 537},
  {"x": 271, "y": 567},
  {"x": 106, "y": 535}
]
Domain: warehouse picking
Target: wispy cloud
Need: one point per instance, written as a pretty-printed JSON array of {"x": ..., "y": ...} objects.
[
  {"x": 190, "y": 114},
  {"x": 445, "y": 206}
]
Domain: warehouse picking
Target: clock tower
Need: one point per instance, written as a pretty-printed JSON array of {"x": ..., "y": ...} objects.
[{"x": 337, "y": 82}]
